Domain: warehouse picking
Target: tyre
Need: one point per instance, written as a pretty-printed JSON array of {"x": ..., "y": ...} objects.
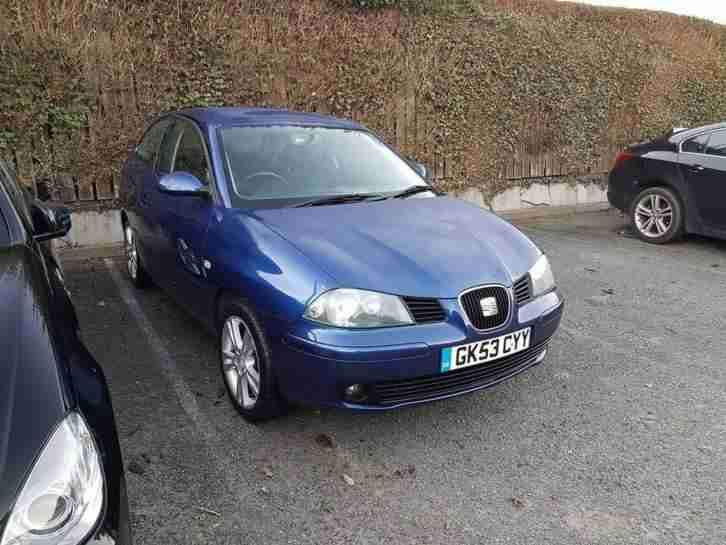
[
  {"x": 246, "y": 364},
  {"x": 137, "y": 273},
  {"x": 657, "y": 215}
]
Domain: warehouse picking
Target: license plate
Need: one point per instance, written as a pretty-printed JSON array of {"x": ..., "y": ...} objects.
[{"x": 467, "y": 355}]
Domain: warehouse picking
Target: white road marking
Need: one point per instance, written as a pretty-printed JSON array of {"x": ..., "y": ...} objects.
[{"x": 183, "y": 393}]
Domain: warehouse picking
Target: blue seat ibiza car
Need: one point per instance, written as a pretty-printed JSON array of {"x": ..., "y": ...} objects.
[{"x": 332, "y": 273}]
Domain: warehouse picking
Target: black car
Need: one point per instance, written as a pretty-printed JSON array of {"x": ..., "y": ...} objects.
[
  {"x": 61, "y": 475},
  {"x": 674, "y": 185}
]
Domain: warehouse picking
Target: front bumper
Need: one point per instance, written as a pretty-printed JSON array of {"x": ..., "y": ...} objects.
[{"x": 401, "y": 366}]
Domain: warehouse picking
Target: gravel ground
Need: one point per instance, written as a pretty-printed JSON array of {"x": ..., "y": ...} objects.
[{"x": 618, "y": 438}]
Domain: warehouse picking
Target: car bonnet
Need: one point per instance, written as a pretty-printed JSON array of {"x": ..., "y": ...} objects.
[{"x": 423, "y": 247}]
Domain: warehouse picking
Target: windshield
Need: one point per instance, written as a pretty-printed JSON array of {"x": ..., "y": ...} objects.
[{"x": 280, "y": 166}]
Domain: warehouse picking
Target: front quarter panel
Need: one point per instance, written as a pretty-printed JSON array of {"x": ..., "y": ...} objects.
[
  {"x": 94, "y": 402},
  {"x": 89, "y": 393},
  {"x": 250, "y": 260}
]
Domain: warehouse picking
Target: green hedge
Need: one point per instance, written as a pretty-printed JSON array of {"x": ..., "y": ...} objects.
[{"x": 475, "y": 82}]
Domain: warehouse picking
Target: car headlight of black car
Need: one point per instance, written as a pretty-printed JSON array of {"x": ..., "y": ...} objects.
[
  {"x": 358, "y": 309},
  {"x": 63, "y": 498},
  {"x": 543, "y": 281}
]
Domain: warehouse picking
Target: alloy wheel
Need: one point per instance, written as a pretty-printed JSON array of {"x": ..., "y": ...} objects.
[
  {"x": 653, "y": 215},
  {"x": 132, "y": 255},
  {"x": 240, "y": 362}
]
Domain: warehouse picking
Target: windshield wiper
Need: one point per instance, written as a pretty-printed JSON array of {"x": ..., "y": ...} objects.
[
  {"x": 413, "y": 190},
  {"x": 341, "y": 199}
]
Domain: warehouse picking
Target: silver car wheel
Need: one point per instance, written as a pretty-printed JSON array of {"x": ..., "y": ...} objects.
[
  {"x": 240, "y": 362},
  {"x": 653, "y": 215},
  {"x": 132, "y": 254}
]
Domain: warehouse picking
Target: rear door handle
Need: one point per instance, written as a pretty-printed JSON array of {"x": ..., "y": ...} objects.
[{"x": 698, "y": 168}]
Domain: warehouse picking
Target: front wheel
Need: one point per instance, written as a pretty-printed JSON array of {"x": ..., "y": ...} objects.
[
  {"x": 135, "y": 268},
  {"x": 246, "y": 364},
  {"x": 657, "y": 215}
]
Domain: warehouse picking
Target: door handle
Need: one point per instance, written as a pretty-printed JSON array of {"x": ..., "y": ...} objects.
[
  {"x": 698, "y": 168},
  {"x": 145, "y": 198}
]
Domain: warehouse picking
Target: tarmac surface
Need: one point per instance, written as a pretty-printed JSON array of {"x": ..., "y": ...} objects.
[{"x": 618, "y": 438}]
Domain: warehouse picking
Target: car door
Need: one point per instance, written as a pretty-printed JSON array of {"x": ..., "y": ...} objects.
[
  {"x": 140, "y": 178},
  {"x": 704, "y": 164},
  {"x": 186, "y": 222}
]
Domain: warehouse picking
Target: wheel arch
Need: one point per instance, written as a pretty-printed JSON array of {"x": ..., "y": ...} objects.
[
  {"x": 672, "y": 234},
  {"x": 269, "y": 338},
  {"x": 222, "y": 295}
]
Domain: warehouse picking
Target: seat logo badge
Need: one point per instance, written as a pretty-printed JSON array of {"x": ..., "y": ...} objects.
[{"x": 489, "y": 307}]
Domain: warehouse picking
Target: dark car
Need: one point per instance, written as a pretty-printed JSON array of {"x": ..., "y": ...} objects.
[
  {"x": 331, "y": 272},
  {"x": 674, "y": 185},
  {"x": 61, "y": 476}
]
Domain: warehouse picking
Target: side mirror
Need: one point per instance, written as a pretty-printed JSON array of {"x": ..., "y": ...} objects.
[
  {"x": 183, "y": 184},
  {"x": 50, "y": 221},
  {"x": 420, "y": 169}
]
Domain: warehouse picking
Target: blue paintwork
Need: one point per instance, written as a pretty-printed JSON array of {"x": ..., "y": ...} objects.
[
  {"x": 281, "y": 259},
  {"x": 423, "y": 247}
]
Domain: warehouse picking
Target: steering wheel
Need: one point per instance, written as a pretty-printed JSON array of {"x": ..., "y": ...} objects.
[{"x": 272, "y": 175}]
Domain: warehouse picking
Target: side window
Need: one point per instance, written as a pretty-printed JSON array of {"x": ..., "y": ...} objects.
[
  {"x": 4, "y": 226},
  {"x": 717, "y": 144},
  {"x": 190, "y": 156},
  {"x": 18, "y": 196},
  {"x": 169, "y": 146},
  {"x": 696, "y": 145},
  {"x": 4, "y": 231},
  {"x": 149, "y": 145}
]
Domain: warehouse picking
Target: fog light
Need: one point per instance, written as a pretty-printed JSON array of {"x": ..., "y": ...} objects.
[
  {"x": 541, "y": 357},
  {"x": 356, "y": 393}
]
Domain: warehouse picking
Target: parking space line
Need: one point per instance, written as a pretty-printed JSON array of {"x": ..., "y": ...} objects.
[{"x": 183, "y": 393}]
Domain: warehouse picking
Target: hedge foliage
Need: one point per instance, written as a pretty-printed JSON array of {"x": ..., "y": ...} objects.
[{"x": 472, "y": 80}]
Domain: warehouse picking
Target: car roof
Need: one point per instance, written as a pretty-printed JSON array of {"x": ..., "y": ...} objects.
[
  {"x": 689, "y": 133},
  {"x": 228, "y": 117}
]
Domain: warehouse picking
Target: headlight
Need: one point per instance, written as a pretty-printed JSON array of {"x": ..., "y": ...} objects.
[
  {"x": 542, "y": 278},
  {"x": 358, "y": 309},
  {"x": 63, "y": 497}
]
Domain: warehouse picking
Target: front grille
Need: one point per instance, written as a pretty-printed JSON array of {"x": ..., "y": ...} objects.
[
  {"x": 522, "y": 290},
  {"x": 471, "y": 303},
  {"x": 478, "y": 376},
  {"x": 425, "y": 311}
]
